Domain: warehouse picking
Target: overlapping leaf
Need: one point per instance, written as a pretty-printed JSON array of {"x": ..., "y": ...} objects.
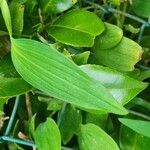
[
  {"x": 122, "y": 87},
  {"x": 130, "y": 140},
  {"x": 74, "y": 28},
  {"x": 109, "y": 38},
  {"x": 50, "y": 71},
  {"x": 122, "y": 57},
  {"x": 139, "y": 126}
]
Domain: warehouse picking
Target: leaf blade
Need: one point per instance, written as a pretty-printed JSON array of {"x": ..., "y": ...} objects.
[
  {"x": 76, "y": 22},
  {"x": 92, "y": 137},
  {"x": 51, "y": 139},
  {"x": 139, "y": 126},
  {"x": 53, "y": 73}
]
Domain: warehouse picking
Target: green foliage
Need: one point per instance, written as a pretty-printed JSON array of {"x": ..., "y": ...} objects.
[
  {"x": 74, "y": 29},
  {"x": 92, "y": 137},
  {"x": 74, "y": 66},
  {"x": 53, "y": 73},
  {"x": 47, "y": 136},
  {"x": 141, "y": 127},
  {"x": 141, "y": 7}
]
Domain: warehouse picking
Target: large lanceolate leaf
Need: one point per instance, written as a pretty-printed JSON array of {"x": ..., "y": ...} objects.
[
  {"x": 47, "y": 136},
  {"x": 74, "y": 28},
  {"x": 10, "y": 87},
  {"x": 50, "y": 71},
  {"x": 122, "y": 57},
  {"x": 139, "y": 126},
  {"x": 109, "y": 38},
  {"x": 122, "y": 87},
  {"x": 91, "y": 137},
  {"x": 141, "y": 7},
  {"x": 56, "y": 6}
]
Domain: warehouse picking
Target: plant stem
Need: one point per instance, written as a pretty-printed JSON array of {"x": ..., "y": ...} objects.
[
  {"x": 28, "y": 105},
  {"x": 10, "y": 123},
  {"x": 61, "y": 114},
  {"x": 141, "y": 32},
  {"x": 139, "y": 114}
]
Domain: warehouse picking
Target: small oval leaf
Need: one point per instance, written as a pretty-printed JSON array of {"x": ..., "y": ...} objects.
[
  {"x": 47, "y": 136},
  {"x": 92, "y": 137},
  {"x": 74, "y": 28}
]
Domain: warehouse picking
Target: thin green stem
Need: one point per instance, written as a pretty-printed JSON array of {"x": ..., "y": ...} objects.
[
  {"x": 11, "y": 120},
  {"x": 61, "y": 114},
  {"x": 139, "y": 114},
  {"x": 141, "y": 32}
]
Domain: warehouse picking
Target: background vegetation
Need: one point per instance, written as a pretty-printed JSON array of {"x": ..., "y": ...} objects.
[{"x": 74, "y": 74}]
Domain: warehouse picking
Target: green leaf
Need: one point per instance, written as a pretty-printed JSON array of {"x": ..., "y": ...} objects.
[
  {"x": 47, "y": 136},
  {"x": 122, "y": 57},
  {"x": 56, "y": 6},
  {"x": 7, "y": 68},
  {"x": 145, "y": 41},
  {"x": 139, "y": 126},
  {"x": 82, "y": 58},
  {"x": 69, "y": 123},
  {"x": 92, "y": 137},
  {"x": 6, "y": 15},
  {"x": 3, "y": 33},
  {"x": 2, "y": 102},
  {"x": 144, "y": 75},
  {"x": 50, "y": 71},
  {"x": 17, "y": 14},
  {"x": 109, "y": 38},
  {"x": 141, "y": 7},
  {"x": 10, "y": 87},
  {"x": 74, "y": 28},
  {"x": 130, "y": 140},
  {"x": 122, "y": 87}
]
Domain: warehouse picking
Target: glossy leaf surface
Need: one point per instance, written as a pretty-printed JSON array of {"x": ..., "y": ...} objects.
[
  {"x": 139, "y": 126},
  {"x": 122, "y": 57},
  {"x": 50, "y": 71},
  {"x": 47, "y": 136},
  {"x": 122, "y": 87},
  {"x": 74, "y": 28},
  {"x": 109, "y": 38},
  {"x": 56, "y": 6},
  {"x": 92, "y": 137}
]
